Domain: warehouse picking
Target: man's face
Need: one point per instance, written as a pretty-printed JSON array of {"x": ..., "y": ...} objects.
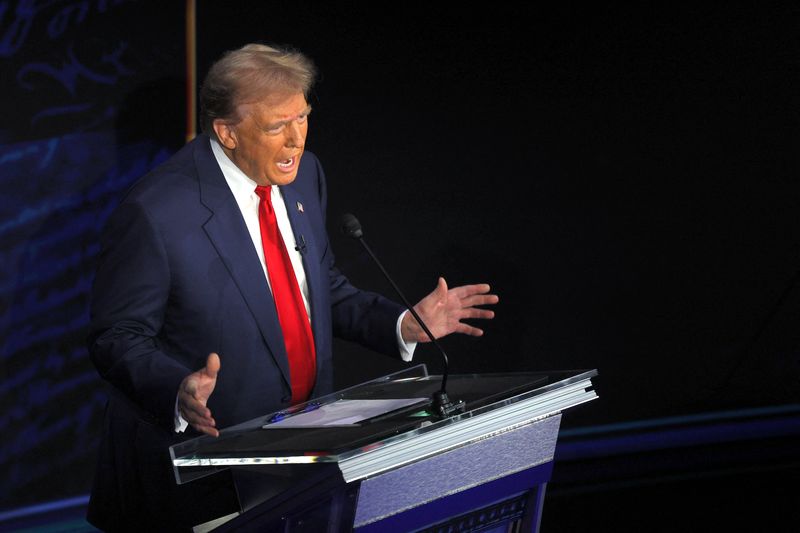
[{"x": 268, "y": 141}]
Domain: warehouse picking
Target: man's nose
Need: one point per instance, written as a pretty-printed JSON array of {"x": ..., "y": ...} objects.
[{"x": 295, "y": 136}]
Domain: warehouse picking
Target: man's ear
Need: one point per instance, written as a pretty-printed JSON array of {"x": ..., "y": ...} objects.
[{"x": 225, "y": 133}]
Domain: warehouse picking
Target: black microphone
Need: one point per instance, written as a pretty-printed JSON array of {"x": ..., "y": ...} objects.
[{"x": 442, "y": 405}]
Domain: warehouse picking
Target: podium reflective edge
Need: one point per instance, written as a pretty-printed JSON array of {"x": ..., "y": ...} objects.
[{"x": 495, "y": 404}]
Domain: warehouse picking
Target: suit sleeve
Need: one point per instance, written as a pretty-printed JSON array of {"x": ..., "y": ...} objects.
[{"x": 128, "y": 303}]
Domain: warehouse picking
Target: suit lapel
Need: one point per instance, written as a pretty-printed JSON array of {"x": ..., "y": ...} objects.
[{"x": 227, "y": 231}]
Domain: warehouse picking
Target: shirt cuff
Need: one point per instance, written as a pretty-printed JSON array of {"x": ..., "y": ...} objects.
[
  {"x": 180, "y": 423},
  {"x": 406, "y": 348}
]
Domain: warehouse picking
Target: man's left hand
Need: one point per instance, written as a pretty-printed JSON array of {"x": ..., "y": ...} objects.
[{"x": 444, "y": 309}]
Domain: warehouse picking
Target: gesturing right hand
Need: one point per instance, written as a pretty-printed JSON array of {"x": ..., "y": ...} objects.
[{"x": 193, "y": 395}]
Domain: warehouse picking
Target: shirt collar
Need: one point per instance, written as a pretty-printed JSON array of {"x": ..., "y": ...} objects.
[{"x": 242, "y": 187}]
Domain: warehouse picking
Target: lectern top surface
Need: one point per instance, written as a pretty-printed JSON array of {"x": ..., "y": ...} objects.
[{"x": 259, "y": 441}]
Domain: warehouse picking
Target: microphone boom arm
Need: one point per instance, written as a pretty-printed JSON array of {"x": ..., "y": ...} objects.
[
  {"x": 410, "y": 307},
  {"x": 442, "y": 406}
]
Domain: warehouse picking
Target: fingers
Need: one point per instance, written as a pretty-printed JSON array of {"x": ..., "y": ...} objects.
[
  {"x": 465, "y": 291},
  {"x": 194, "y": 393},
  {"x": 473, "y": 312},
  {"x": 208, "y": 429},
  {"x": 212, "y": 365},
  {"x": 441, "y": 285},
  {"x": 466, "y": 329},
  {"x": 468, "y": 290},
  {"x": 191, "y": 386},
  {"x": 214, "y": 432},
  {"x": 470, "y": 296},
  {"x": 197, "y": 414},
  {"x": 204, "y": 426},
  {"x": 479, "y": 299},
  {"x": 440, "y": 292},
  {"x": 195, "y": 411}
]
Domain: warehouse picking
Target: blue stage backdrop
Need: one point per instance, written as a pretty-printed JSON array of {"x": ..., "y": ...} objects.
[{"x": 93, "y": 96}]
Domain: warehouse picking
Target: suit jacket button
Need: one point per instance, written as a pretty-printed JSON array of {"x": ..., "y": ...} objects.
[{"x": 286, "y": 399}]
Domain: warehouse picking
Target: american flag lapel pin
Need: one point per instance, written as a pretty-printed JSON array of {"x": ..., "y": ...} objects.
[{"x": 300, "y": 207}]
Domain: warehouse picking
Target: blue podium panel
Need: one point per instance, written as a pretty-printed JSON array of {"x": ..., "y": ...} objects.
[
  {"x": 452, "y": 474},
  {"x": 512, "y": 503}
]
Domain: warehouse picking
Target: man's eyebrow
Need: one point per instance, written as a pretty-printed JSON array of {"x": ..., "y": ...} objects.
[{"x": 305, "y": 112}]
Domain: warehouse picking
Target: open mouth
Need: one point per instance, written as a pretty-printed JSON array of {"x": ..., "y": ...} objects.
[{"x": 287, "y": 164}]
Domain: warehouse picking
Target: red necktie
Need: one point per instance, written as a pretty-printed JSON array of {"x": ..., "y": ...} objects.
[{"x": 292, "y": 314}]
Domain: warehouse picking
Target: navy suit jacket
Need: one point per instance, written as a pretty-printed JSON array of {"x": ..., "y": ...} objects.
[{"x": 178, "y": 278}]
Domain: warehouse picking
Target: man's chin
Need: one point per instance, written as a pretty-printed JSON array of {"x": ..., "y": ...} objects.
[{"x": 284, "y": 179}]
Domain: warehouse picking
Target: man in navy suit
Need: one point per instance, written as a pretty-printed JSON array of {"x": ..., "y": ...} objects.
[{"x": 183, "y": 323}]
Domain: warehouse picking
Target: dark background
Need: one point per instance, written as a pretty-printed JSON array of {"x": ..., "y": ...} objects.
[{"x": 624, "y": 177}]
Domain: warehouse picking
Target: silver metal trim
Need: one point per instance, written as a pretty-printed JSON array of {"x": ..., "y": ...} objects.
[
  {"x": 440, "y": 437},
  {"x": 395, "y": 454}
]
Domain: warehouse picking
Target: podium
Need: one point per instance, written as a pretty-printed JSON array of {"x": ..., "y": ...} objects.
[{"x": 375, "y": 457}]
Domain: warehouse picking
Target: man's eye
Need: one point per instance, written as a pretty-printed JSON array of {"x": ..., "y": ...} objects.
[
  {"x": 275, "y": 129},
  {"x": 302, "y": 118}
]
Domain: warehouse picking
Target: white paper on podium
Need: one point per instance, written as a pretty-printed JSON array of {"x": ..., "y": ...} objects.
[{"x": 343, "y": 413}]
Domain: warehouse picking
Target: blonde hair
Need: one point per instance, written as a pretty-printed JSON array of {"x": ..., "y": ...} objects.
[{"x": 248, "y": 74}]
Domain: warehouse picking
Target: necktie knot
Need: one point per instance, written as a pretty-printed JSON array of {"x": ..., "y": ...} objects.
[{"x": 264, "y": 192}]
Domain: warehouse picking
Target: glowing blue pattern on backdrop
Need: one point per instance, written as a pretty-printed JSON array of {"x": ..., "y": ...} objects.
[{"x": 74, "y": 75}]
